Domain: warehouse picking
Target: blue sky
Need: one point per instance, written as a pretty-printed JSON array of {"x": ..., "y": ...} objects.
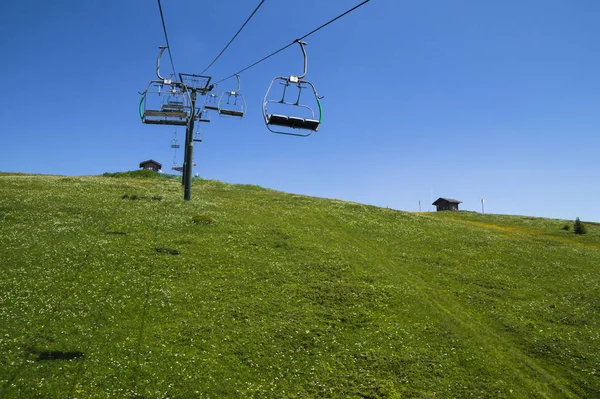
[{"x": 463, "y": 99}]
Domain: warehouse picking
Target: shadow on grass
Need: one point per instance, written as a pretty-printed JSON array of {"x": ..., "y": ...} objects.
[
  {"x": 168, "y": 251},
  {"x": 59, "y": 355}
]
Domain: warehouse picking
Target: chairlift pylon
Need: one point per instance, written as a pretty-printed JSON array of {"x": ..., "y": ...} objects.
[
  {"x": 232, "y": 103},
  {"x": 293, "y": 118}
]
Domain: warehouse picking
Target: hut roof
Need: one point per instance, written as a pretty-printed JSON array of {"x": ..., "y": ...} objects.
[
  {"x": 150, "y": 161},
  {"x": 450, "y": 200}
]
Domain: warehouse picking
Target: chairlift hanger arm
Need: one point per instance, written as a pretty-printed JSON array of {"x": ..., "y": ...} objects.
[
  {"x": 162, "y": 50},
  {"x": 239, "y": 84},
  {"x": 295, "y": 78}
]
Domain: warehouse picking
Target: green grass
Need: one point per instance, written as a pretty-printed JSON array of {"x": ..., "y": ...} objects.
[{"x": 247, "y": 292}]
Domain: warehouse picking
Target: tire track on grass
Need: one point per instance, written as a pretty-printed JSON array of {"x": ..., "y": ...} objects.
[{"x": 468, "y": 322}]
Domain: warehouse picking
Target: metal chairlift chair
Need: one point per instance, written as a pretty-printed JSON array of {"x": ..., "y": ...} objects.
[
  {"x": 203, "y": 116},
  {"x": 232, "y": 103},
  {"x": 175, "y": 142},
  {"x": 163, "y": 111},
  {"x": 169, "y": 102},
  {"x": 302, "y": 120},
  {"x": 212, "y": 99}
]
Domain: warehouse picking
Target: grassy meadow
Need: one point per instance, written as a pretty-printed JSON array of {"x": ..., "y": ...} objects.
[{"x": 113, "y": 286}]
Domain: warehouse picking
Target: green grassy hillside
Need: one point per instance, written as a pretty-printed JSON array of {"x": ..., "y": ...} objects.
[{"x": 113, "y": 286}]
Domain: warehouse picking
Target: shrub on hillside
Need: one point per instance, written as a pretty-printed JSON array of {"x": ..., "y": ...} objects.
[
  {"x": 579, "y": 227},
  {"x": 566, "y": 227}
]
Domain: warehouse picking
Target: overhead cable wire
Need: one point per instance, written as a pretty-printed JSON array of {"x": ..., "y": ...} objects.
[
  {"x": 162, "y": 18},
  {"x": 234, "y": 36},
  {"x": 295, "y": 41}
]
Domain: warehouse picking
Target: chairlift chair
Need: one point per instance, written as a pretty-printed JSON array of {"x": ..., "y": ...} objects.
[
  {"x": 292, "y": 118},
  {"x": 212, "y": 99},
  {"x": 164, "y": 102},
  {"x": 203, "y": 116},
  {"x": 176, "y": 167},
  {"x": 232, "y": 103},
  {"x": 175, "y": 142}
]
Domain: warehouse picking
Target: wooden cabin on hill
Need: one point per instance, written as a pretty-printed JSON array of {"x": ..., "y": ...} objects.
[
  {"x": 151, "y": 164},
  {"x": 446, "y": 204}
]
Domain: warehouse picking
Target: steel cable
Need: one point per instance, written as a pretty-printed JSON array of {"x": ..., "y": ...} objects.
[{"x": 294, "y": 42}]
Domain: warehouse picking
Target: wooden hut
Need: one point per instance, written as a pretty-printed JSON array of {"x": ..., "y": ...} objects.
[
  {"x": 446, "y": 204},
  {"x": 151, "y": 164}
]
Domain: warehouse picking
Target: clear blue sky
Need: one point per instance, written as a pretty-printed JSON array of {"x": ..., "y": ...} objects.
[{"x": 465, "y": 99}]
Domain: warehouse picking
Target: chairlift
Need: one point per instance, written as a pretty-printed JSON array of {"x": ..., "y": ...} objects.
[
  {"x": 203, "y": 116},
  {"x": 175, "y": 141},
  {"x": 294, "y": 118},
  {"x": 174, "y": 102},
  {"x": 212, "y": 99},
  {"x": 175, "y": 147},
  {"x": 198, "y": 137},
  {"x": 164, "y": 102},
  {"x": 176, "y": 167},
  {"x": 232, "y": 103}
]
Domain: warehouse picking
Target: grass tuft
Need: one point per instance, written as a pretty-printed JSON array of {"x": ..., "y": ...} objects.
[
  {"x": 203, "y": 219},
  {"x": 167, "y": 251}
]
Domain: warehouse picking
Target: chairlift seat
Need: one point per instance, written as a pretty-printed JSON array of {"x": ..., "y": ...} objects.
[
  {"x": 279, "y": 120},
  {"x": 165, "y": 113},
  {"x": 231, "y": 112},
  {"x": 293, "y": 122},
  {"x": 211, "y": 107},
  {"x": 310, "y": 124},
  {"x": 165, "y": 122},
  {"x": 172, "y": 106}
]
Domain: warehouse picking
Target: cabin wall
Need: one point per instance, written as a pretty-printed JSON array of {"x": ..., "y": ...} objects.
[
  {"x": 447, "y": 206},
  {"x": 151, "y": 166}
]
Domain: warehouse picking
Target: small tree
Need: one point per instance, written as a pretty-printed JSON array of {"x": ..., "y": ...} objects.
[{"x": 579, "y": 227}]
